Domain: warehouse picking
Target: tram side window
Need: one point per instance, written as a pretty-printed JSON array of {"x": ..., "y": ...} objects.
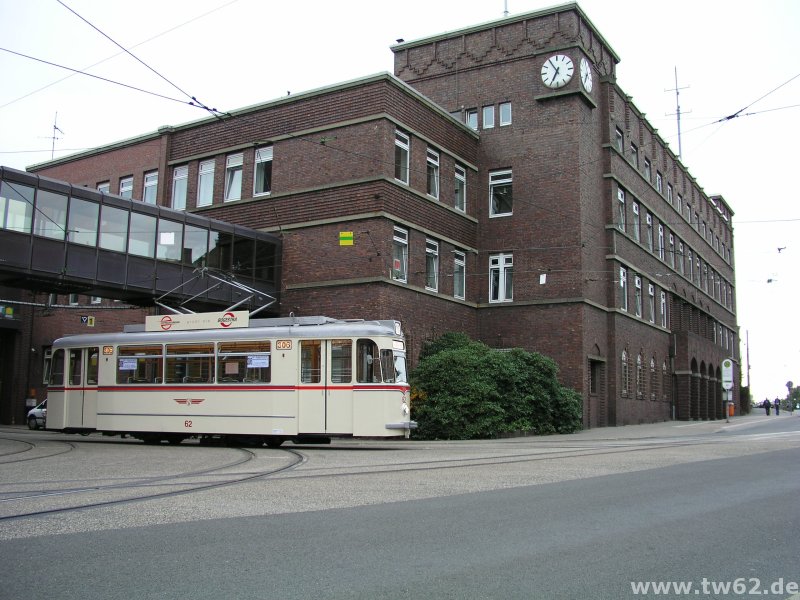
[
  {"x": 57, "y": 368},
  {"x": 244, "y": 362},
  {"x": 189, "y": 363},
  {"x": 75, "y": 366},
  {"x": 139, "y": 364},
  {"x": 368, "y": 363},
  {"x": 92, "y": 366},
  {"x": 310, "y": 361},
  {"x": 341, "y": 361}
]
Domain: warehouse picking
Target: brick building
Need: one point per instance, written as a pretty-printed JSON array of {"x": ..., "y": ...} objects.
[{"x": 500, "y": 183}]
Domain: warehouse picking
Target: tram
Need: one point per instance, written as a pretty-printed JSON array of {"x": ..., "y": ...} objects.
[{"x": 305, "y": 379}]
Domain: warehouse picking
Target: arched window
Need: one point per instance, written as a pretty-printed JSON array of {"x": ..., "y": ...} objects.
[
  {"x": 626, "y": 374},
  {"x": 653, "y": 380},
  {"x": 639, "y": 377}
]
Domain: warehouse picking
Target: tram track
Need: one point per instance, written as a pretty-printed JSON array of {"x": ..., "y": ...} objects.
[
  {"x": 298, "y": 458},
  {"x": 30, "y": 447}
]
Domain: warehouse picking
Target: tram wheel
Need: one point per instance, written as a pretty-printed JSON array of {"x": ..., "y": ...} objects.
[{"x": 274, "y": 442}]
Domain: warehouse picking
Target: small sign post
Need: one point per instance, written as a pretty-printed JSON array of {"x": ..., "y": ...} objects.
[{"x": 727, "y": 385}]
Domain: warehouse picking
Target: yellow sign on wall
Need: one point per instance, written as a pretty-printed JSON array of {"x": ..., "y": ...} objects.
[{"x": 345, "y": 238}]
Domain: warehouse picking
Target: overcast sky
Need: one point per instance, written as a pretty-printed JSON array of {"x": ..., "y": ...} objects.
[{"x": 730, "y": 56}]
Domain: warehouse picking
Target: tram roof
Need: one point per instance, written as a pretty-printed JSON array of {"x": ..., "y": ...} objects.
[{"x": 307, "y": 327}]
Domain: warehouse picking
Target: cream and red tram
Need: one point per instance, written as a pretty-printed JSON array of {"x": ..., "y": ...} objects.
[{"x": 305, "y": 379}]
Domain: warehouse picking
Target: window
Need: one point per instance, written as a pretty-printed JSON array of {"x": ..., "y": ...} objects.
[
  {"x": 431, "y": 265},
  {"x": 653, "y": 380},
  {"x": 402, "y": 144},
  {"x": 501, "y": 278},
  {"x": 671, "y": 250},
  {"x": 636, "y": 223},
  {"x": 82, "y": 222},
  {"x": 113, "y": 228},
  {"x": 634, "y": 155},
  {"x": 190, "y": 363},
  {"x": 500, "y": 193},
  {"x": 142, "y": 237},
  {"x": 460, "y": 201},
  {"x": 341, "y": 361},
  {"x": 650, "y": 232},
  {"x": 660, "y": 241},
  {"x": 488, "y": 117},
  {"x": 311, "y": 361},
  {"x": 639, "y": 377},
  {"x": 471, "y": 118},
  {"x": 170, "y": 241},
  {"x": 126, "y": 187},
  {"x": 205, "y": 183},
  {"x": 180, "y": 179},
  {"x": 104, "y": 187},
  {"x": 669, "y": 193},
  {"x": 73, "y": 299},
  {"x": 262, "y": 177},
  {"x": 659, "y": 183},
  {"x": 140, "y": 364},
  {"x": 626, "y": 373},
  {"x": 368, "y": 365},
  {"x": 623, "y": 288},
  {"x": 663, "y": 308},
  {"x": 647, "y": 169},
  {"x": 651, "y": 292},
  {"x": 400, "y": 255},
  {"x": 244, "y": 362},
  {"x": 233, "y": 176},
  {"x": 621, "y": 209},
  {"x": 433, "y": 173},
  {"x": 96, "y": 300},
  {"x": 680, "y": 258},
  {"x": 459, "y": 275},
  {"x": 619, "y": 139},
  {"x": 505, "y": 114},
  {"x": 705, "y": 277},
  {"x": 150, "y": 187},
  {"x": 690, "y": 272},
  {"x": 50, "y": 218},
  {"x": 637, "y": 295}
]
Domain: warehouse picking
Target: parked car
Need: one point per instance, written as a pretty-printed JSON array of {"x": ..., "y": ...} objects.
[{"x": 37, "y": 416}]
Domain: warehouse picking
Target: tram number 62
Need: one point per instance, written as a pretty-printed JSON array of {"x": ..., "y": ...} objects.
[{"x": 187, "y": 424}]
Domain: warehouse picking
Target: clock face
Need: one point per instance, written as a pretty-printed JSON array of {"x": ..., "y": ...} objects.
[
  {"x": 557, "y": 71},
  {"x": 586, "y": 75}
]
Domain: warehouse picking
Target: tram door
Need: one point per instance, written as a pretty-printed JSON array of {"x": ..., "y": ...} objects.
[
  {"x": 326, "y": 390},
  {"x": 81, "y": 387}
]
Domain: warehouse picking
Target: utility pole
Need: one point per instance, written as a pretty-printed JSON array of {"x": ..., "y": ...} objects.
[{"x": 677, "y": 89}]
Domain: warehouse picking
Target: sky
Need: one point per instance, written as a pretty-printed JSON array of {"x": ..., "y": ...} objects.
[{"x": 731, "y": 58}]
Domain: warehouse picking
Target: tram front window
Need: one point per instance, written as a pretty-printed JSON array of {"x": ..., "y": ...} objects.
[{"x": 393, "y": 367}]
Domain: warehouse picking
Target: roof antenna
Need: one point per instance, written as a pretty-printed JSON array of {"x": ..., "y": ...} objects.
[
  {"x": 677, "y": 112},
  {"x": 505, "y": 8},
  {"x": 54, "y": 138}
]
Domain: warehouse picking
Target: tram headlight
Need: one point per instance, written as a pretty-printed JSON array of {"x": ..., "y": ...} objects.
[{"x": 405, "y": 409}]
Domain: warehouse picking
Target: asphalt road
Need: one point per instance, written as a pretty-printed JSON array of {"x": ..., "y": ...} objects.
[{"x": 582, "y": 516}]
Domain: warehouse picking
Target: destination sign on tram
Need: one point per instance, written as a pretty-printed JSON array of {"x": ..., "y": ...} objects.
[{"x": 213, "y": 320}]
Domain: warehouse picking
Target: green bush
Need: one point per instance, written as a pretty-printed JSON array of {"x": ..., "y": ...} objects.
[{"x": 463, "y": 389}]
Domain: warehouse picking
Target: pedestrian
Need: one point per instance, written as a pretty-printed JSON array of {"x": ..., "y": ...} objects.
[
  {"x": 777, "y": 407},
  {"x": 766, "y": 404}
]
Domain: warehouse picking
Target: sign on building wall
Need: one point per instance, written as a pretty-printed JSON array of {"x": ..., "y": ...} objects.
[{"x": 345, "y": 238}]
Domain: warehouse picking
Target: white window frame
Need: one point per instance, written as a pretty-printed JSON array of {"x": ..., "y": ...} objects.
[
  {"x": 635, "y": 155},
  {"x": 651, "y": 295},
  {"x": 621, "y": 212},
  {"x": 671, "y": 250},
  {"x": 620, "y": 139},
  {"x": 623, "y": 285},
  {"x": 402, "y": 156},
  {"x": 659, "y": 182},
  {"x": 104, "y": 187},
  {"x": 432, "y": 265},
  {"x": 505, "y": 114},
  {"x": 459, "y": 275},
  {"x": 648, "y": 170},
  {"x": 180, "y": 186},
  {"x": 500, "y": 179},
  {"x": 663, "y": 309},
  {"x": 126, "y": 187},
  {"x": 669, "y": 193},
  {"x": 681, "y": 258},
  {"x": 637, "y": 295},
  {"x": 488, "y": 117},
  {"x": 205, "y": 182},
  {"x": 636, "y": 222},
  {"x": 432, "y": 173},
  {"x": 234, "y": 171},
  {"x": 150, "y": 187},
  {"x": 96, "y": 300},
  {"x": 649, "y": 220},
  {"x": 471, "y": 118},
  {"x": 460, "y": 199},
  {"x": 400, "y": 255},
  {"x": 262, "y": 166},
  {"x": 660, "y": 241},
  {"x": 501, "y": 278}
]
